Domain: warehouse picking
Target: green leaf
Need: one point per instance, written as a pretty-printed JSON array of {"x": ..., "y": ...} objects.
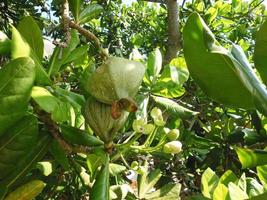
[
  {"x": 251, "y": 158},
  {"x": 44, "y": 99},
  {"x": 75, "y": 6},
  {"x": 16, "y": 143},
  {"x": 59, "y": 154},
  {"x": 254, "y": 188},
  {"x": 259, "y": 197},
  {"x": 5, "y": 44},
  {"x": 61, "y": 54},
  {"x": 37, "y": 152},
  {"x": 221, "y": 192},
  {"x": 77, "y": 136},
  {"x": 89, "y": 12},
  {"x": 3, "y": 192},
  {"x": 236, "y": 193},
  {"x": 27, "y": 191},
  {"x": 75, "y": 54},
  {"x": 212, "y": 66},
  {"x": 20, "y": 48},
  {"x": 178, "y": 70},
  {"x": 16, "y": 80},
  {"x": 174, "y": 108},
  {"x": 147, "y": 181},
  {"x": 154, "y": 64},
  {"x": 228, "y": 177},
  {"x": 167, "y": 192},
  {"x": 95, "y": 160},
  {"x": 100, "y": 189},
  {"x": 32, "y": 34},
  {"x": 260, "y": 53},
  {"x": 115, "y": 169},
  {"x": 261, "y": 171},
  {"x": 63, "y": 112},
  {"x": 209, "y": 182}
]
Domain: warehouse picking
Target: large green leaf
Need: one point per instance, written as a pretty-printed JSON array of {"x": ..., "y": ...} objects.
[
  {"x": 251, "y": 158},
  {"x": 212, "y": 67},
  {"x": 75, "y": 6},
  {"x": 20, "y": 48},
  {"x": 221, "y": 192},
  {"x": 16, "y": 143},
  {"x": 174, "y": 108},
  {"x": 28, "y": 191},
  {"x": 260, "y": 53},
  {"x": 89, "y": 12},
  {"x": 209, "y": 182},
  {"x": 29, "y": 161},
  {"x": 31, "y": 32},
  {"x": 16, "y": 80},
  {"x": 154, "y": 64}
]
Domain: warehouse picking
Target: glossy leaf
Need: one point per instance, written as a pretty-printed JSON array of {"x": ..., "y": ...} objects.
[
  {"x": 44, "y": 99},
  {"x": 250, "y": 158},
  {"x": 236, "y": 193},
  {"x": 100, "y": 189},
  {"x": 115, "y": 169},
  {"x": 89, "y": 12},
  {"x": 228, "y": 177},
  {"x": 221, "y": 192},
  {"x": 75, "y": 6},
  {"x": 27, "y": 191},
  {"x": 31, "y": 32},
  {"x": 174, "y": 108},
  {"x": 209, "y": 181},
  {"x": 77, "y": 136},
  {"x": 16, "y": 80},
  {"x": 260, "y": 53},
  {"x": 261, "y": 171},
  {"x": 212, "y": 67},
  {"x": 20, "y": 48},
  {"x": 254, "y": 188},
  {"x": 59, "y": 154},
  {"x": 16, "y": 143}
]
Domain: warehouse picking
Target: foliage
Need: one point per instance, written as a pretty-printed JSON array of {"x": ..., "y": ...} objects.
[{"x": 199, "y": 130}]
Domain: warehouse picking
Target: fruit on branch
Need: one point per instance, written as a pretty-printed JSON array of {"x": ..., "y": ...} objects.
[
  {"x": 99, "y": 116},
  {"x": 116, "y": 79}
]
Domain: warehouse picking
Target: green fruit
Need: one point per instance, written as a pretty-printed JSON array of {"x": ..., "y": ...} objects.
[
  {"x": 117, "y": 78},
  {"x": 173, "y": 147},
  {"x": 98, "y": 116},
  {"x": 173, "y": 134}
]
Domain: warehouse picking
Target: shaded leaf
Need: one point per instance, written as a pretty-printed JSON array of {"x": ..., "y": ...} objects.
[
  {"x": 16, "y": 143},
  {"x": 16, "y": 80},
  {"x": 75, "y": 6},
  {"x": 27, "y": 191},
  {"x": 167, "y": 192},
  {"x": 59, "y": 154}
]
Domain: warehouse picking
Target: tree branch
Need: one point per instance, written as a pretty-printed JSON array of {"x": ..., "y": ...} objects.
[{"x": 173, "y": 30}]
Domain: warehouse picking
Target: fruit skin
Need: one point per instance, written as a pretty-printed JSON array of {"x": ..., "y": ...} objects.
[
  {"x": 98, "y": 116},
  {"x": 173, "y": 147},
  {"x": 117, "y": 78}
]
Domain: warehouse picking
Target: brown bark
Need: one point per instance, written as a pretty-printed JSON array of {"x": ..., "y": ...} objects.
[{"x": 173, "y": 30}]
